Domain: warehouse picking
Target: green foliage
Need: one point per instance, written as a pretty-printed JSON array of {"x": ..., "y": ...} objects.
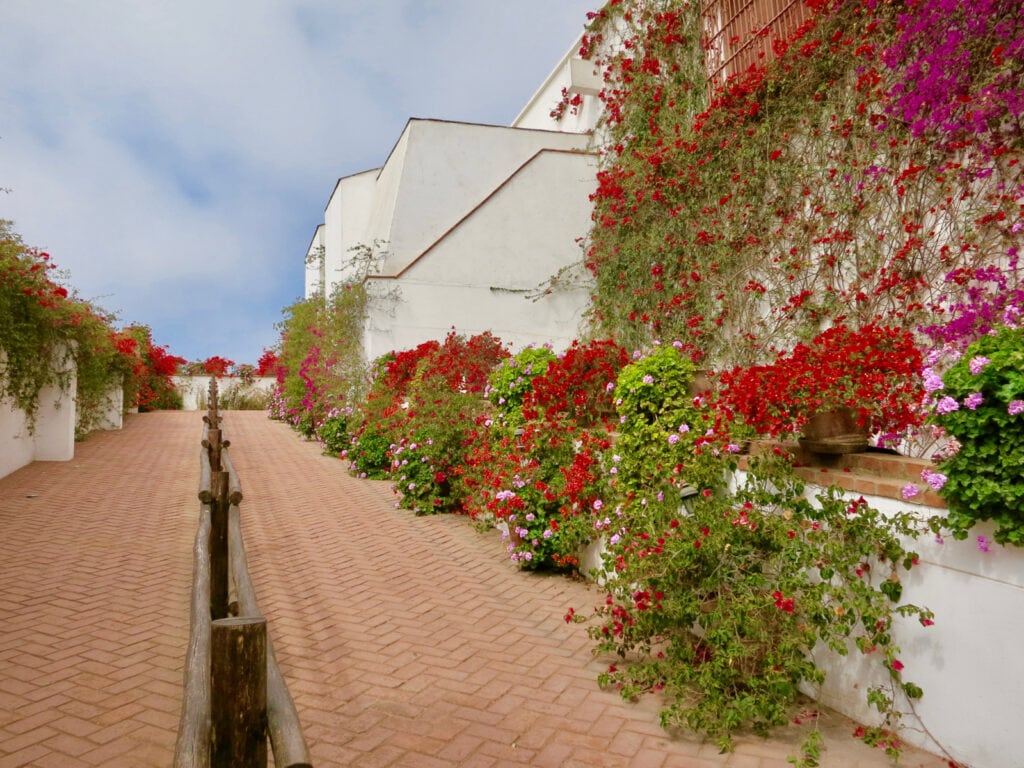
[
  {"x": 428, "y": 460},
  {"x": 718, "y": 605},
  {"x": 985, "y": 477},
  {"x": 101, "y": 366},
  {"x": 297, "y": 336},
  {"x": 321, "y": 360},
  {"x": 333, "y": 432},
  {"x": 513, "y": 379},
  {"x": 438, "y": 398},
  {"x": 34, "y": 333},
  {"x": 45, "y": 333},
  {"x": 664, "y": 442},
  {"x": 369, "y": 455},
  {"x": 530, "y": 490}
]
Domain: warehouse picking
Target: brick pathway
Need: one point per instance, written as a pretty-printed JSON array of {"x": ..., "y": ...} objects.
[
  {"x": 406, "y": 641},
  {"x": 95, "y": 575}
]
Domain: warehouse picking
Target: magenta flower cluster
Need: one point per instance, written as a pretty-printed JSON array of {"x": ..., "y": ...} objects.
[{"x": 941, "y": 46}]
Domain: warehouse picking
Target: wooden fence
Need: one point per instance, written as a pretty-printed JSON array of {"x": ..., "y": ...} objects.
[
  {"x": 235, "y": 697},
  {"x": 733, "y": 30}
]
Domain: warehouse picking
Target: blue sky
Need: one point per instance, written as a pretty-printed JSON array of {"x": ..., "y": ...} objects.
[{"x": 175, "y": 156}]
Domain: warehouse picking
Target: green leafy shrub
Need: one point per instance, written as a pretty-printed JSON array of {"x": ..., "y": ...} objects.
[
  {"x": 369, "y": 454},
  {"x": 333, "y": 432},
  {"x": 981, "y": 406},
  {"x": 321, "y": 365},
  {"x": 428, "y": 460},
  {"x": 513, "y": 379},
  {"x": 668, "y": 436},
  {"x": 718, "y": 605}
]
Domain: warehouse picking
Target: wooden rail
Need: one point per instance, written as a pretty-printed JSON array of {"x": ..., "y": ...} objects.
[
  {"x": 235, "y": 696},
  {"x": 192, "y": 749}
]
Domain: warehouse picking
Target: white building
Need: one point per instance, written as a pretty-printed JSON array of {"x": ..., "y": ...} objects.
[{"x": 465, "y": 224}]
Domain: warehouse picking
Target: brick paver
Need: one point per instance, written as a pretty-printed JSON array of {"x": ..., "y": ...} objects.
[
  {"x": 95, "y": 575},
  {"x": 406, "y": 641}
]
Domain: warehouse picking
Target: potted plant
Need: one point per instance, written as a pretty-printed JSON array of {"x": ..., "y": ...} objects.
[{"x": 834, "y": 390}]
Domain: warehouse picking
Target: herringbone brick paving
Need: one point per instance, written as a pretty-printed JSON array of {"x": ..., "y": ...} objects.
[
  {"x": 95, "y": 574},
  {"x": 406, "y": 641}
]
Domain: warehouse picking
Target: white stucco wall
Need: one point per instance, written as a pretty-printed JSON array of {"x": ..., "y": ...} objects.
[
  {"x": 53, "y": 436},
  {"x": 384, "y": 197},
  {"x": 968, "y": 663},
  {"x": 194, "y": 390},
  {"x": 346, "y": 223},
  {"x": 111, "y": 411},
  {"x": 449, "y": 169},
  {"x": 17, "y": 446},
  {"x": 314, "y": 280},
  {"x": 448, "y": 193},
  {"x": 437, "y": 172},
  {"x": 477, "y": 276}
]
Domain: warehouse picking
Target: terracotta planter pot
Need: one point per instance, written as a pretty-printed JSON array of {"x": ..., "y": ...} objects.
[{"x": 834, "y": 432}]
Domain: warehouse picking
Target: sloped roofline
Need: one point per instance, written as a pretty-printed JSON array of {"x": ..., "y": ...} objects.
[
  {"x": 478, "y": 206},
  {"x": 312, "y": 240},
  {"x": 441, "y": 121},
  {"x": 346, "y": 178}
]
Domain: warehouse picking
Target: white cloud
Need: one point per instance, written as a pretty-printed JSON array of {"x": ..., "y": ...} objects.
[{"x": 176, "y": 156}]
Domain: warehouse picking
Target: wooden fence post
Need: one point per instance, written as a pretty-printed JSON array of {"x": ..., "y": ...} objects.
[
  {"x": 219, "y": 565},
  {"x": 219, "y": 480},
  {"x": 238, "y": 670}
]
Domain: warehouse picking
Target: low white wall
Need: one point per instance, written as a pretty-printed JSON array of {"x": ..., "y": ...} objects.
[
  {"x": 968, "y": 663},
  {"x": 194, "y": 390},
  {"x": 17, "y": 445},
  {"x": 110, "y": 413},
  {"x": 112, "y": 416},
  {"x": 53, "y": 435}
]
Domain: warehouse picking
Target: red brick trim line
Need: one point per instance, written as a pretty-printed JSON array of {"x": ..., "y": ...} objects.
[{"x": 872, "y": 473}]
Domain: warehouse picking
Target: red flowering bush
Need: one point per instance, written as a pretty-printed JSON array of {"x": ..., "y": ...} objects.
[
  {"x": 154, "y": 372},
  {"x": 44, "y": 329},
  {"x": 538, "y": 478},
  {"x": 869, "y": 149},
  {"x": 423, "y": 402},
  {"x": 268, "y": 363},
  {"x": 535, "y": 481},
  {"x": 578, "y": 385},
  {"x": 874, "y": 370},
  {"x": 396, "y": 369},
  {"x": 428, "y": 454},
  {"x": 217, "y": 366}
]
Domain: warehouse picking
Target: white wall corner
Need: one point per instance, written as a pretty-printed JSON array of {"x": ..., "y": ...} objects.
[{"x": 55, "y": 422}]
